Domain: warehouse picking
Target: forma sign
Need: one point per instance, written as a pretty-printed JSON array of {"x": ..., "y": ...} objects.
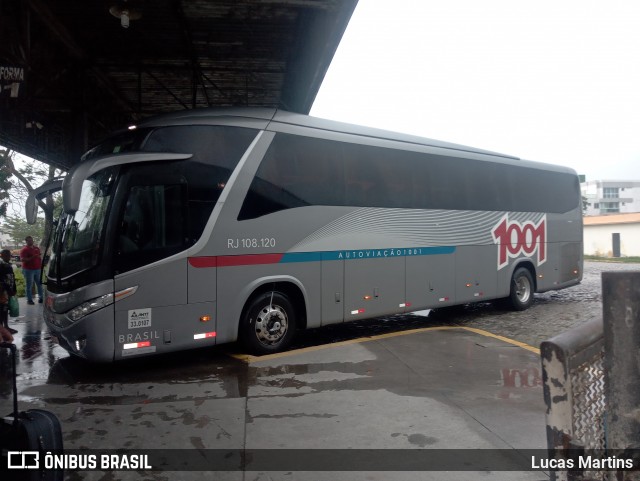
[{"x": 11, "y": 78}]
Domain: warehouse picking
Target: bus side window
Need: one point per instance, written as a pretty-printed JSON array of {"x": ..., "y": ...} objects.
[
  {"x": 312, "y": 178},
  {"x": 129, "y": 235},
  {"x": 365, "y": 184},
  {"x": 321, "y": 171},
  {"x": 153, "y": 225}
]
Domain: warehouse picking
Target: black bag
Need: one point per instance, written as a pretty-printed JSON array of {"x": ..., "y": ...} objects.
[{"x": 33, "y": 430}]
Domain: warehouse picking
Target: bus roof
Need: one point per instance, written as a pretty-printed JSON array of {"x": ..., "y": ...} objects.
[
  {"x": 268, "y": 115},
  {"x": 262, "y": 117}
]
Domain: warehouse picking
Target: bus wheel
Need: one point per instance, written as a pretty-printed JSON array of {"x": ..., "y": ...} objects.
[
  {"x": 269, "y": 324},
  {"x": 521, "y": 295}
]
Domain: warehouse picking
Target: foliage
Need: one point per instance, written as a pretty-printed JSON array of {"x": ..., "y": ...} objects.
[
  {"x": 21, "y": 181},
  {"x": 5, "y": 183},
  {"x": 21, "y": 283},
  {"x": 17, "y": 228}
]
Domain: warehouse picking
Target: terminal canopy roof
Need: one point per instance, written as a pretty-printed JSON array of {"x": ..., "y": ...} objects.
[{"x": 71, "y": 72}]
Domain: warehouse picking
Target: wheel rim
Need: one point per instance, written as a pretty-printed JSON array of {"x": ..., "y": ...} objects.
[
  {"x": 523, "y": 289},
  {"x": 271, "y": 325}
]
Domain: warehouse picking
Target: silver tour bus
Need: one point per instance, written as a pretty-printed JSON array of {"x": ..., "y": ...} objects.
[{"x": 209, "y": 226}]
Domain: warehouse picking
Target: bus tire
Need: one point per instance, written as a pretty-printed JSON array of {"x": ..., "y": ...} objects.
[
  {"x": 269, "y": 323},
  {"x": 522, "y": 288}
]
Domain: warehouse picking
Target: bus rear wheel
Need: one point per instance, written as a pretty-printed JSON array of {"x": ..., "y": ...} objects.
[
  {"x": 269, "y": 323},
  {"x": 522, "y": 287}
]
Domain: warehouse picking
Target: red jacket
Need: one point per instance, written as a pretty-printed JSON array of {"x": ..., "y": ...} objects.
[{"x": 32, "y": 252}]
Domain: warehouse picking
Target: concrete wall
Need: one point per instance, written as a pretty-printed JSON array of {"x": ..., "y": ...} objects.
[{"x": 598, "y": 239}]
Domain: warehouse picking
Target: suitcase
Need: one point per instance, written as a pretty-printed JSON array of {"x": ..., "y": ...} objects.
[{"x": 35, "y": 430}]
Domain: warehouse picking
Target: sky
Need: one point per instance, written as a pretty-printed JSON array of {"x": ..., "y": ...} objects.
[{"x": 554, "y": 81}]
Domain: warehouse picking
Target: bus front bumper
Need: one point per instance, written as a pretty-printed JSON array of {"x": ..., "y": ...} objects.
[{"x": 91, "y": 337}]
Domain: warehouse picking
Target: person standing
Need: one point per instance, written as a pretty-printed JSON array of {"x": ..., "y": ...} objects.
[
  {"x": 7, "y": 288},
  {"x": 31, "y": 265}
]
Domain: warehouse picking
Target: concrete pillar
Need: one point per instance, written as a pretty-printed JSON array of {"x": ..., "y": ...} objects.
[{"x": 621, "y": 316}]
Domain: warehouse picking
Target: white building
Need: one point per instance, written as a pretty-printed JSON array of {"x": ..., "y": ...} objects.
[
  {"x": 611, "y": 196},
  {"x": 614, "y": 235}
]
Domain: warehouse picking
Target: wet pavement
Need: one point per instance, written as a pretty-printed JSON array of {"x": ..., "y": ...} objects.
[
  {"x": 552, "y": 313},
  {"x": 416, "y": 382}
]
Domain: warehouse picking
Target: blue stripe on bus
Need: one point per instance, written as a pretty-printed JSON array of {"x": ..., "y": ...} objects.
[
  {"x": 365, "y": 254},
  {"x": 261, "y": 259}
]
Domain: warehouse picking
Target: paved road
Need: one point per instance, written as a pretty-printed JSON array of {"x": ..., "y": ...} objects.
[{"x": 552, "y": 313}]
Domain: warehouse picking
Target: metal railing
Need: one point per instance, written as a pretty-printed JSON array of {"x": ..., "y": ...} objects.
[
  {"x": 591, "y": 381},
  {"x": 573, "y": 383}
]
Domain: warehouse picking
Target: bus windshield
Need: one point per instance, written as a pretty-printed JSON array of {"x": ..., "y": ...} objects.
[{"x": 79, "y": 235}]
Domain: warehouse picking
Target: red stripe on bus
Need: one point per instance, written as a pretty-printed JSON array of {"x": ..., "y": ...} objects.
[
  {"x": 227, "y": 261},
  {"x": 199, "y": 262},
  {"x": 249, "y": 260}
]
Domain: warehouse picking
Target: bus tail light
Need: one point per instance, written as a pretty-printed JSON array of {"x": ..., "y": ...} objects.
[
  {"x": 204, "y": 335},
  {"x": 135, "y": 345}
]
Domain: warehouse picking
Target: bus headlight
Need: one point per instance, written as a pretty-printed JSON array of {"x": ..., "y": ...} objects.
[{"x": 88, "y": 307}]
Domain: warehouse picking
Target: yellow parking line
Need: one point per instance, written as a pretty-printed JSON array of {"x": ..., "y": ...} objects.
[
  {"x": 502, "y": 338},
  {"x": 250, "y": 359}
]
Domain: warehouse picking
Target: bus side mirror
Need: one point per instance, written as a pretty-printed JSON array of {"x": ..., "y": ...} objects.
[
  {"x": 31, "y": 205},
  {"x": 31, "y": 209}
]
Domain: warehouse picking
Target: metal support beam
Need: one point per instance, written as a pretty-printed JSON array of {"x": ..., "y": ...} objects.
[
  {"x": 319, "y": 34},
  {"x": 60, "y": 32},
  {"x": 196, "y": 70}
]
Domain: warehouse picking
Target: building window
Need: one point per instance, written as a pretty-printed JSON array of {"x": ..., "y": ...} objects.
[
  {"x": 610, "y": 192},
  {"x": 607, "y": 207}
]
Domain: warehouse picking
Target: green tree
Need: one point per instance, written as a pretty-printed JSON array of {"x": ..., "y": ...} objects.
[
  {"x": 24, "y": 180},
  {"x": 585, "y": 204},
  {"x": 5, "y": 183},
  {"x": 17, "y": 228}
]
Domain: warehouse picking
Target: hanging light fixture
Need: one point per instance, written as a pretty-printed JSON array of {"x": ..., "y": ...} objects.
[
  {"x": 125, "y": 12},
  {"x": 33, "y": 124}
]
